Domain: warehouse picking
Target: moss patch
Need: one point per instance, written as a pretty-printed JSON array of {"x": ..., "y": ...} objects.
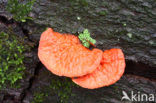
[
  {"x": 19, "y": 10},
  {"x": 39, "y": 97},
  {"x": 11, "y": 60},
  {"x": 63, "y": 88}
]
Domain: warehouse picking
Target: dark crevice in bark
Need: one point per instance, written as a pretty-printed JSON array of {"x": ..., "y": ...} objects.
[
  {"x": 25, "y": 31},
  {"x": 140, "y": 69},
  {"x": 4, "y": 20},
  {"x": 12, "y": 98},
  {"x": 38, "y": 67},
  {"x": 8, "y": 97},
  {"x": 7, "y": 22}
]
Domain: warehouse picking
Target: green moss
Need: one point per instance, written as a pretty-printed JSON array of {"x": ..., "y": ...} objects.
[
  {"x": 11, "y": 60},
  {"x": 83, "y": 2},
  {"x": 63, "y": 88},
  {"x": 80, "y": 2},
  {"x": 86, "y": 39},
  {"x": 103, "y": 13},
  {"x": 60, "y": 87},
  {"x": 39, "y": 97},
  {"x": 20, "y": 10}
]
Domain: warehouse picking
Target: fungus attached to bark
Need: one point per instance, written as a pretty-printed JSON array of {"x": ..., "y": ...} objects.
[
  {"x": 64, "y": 55},
  {"x": 108, "y": 72}
]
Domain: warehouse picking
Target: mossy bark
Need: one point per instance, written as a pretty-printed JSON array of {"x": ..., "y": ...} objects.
[{"x": 126, "y": 24}]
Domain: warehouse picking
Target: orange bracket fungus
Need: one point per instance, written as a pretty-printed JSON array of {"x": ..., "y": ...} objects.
[
  {"x": 64, "y": 55},
  {"x": 108, "y": 72}
]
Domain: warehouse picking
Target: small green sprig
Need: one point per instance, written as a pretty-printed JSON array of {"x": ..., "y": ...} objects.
[{"x": 86, "y": 39}]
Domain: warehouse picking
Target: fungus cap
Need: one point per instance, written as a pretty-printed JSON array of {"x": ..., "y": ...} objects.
[
  {"x": 64, "y": 55},
  {"x": 108, "y": 72}
]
